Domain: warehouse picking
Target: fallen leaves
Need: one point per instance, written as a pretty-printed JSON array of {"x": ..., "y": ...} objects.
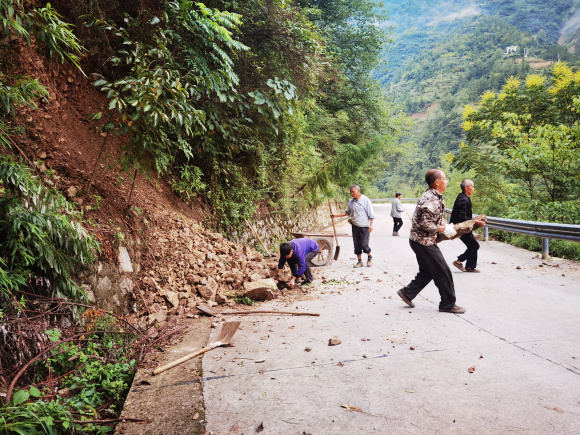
[
  {"x": 351, "y": 408},
  {"x": 395, "y": 339}
]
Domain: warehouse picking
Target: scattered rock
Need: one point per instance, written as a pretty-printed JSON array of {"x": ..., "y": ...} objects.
[
  {"x": 334, "y": 341},
  {"x": 152, "y": 332},
  {"x": 71, "y": 192},
  {"x": 158, "y": 317},
  {"x": 220, "y": 298},
  {"x": 172, "y": 297}
]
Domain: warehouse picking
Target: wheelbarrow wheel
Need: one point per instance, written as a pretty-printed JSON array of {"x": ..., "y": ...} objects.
[{"x": 324, "y": 252}]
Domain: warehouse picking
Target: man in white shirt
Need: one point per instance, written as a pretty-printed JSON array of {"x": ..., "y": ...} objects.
[{"x": 362, "y": 216}]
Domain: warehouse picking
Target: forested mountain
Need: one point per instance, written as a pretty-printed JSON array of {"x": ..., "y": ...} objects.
[{"x": 446, "y": 55}]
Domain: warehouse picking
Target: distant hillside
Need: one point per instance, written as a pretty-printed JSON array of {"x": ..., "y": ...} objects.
[{"x": 446, "y": 55}]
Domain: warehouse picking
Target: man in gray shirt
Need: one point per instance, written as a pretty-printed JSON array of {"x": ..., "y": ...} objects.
[{"x": 362, "y": 216}]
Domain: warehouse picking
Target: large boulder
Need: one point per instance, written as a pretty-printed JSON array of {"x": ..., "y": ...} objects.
[{"x": 261, "y": 290}]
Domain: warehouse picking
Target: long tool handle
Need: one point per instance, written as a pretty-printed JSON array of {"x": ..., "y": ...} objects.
[
  {"x": 332, "y": 219},
  {"x": 180, "y": 360},
  {"x": 294, "y": 313},
  {"x": 248, "y": 223}
]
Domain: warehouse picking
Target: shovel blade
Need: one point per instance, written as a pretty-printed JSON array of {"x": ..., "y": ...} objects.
[{"x": 336, "y": 252}]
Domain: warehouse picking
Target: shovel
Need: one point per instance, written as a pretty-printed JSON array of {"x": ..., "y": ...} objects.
[
  {"x": 337, "y": 250},
  {"x": 226, "y": 334}
]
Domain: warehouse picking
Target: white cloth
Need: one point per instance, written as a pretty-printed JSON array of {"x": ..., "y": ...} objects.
[{"x": 449, "y": 230}]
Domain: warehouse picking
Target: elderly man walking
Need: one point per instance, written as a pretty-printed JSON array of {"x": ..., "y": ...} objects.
[
  {"x": 362, "y": 216},
  {"x": 396, "y": 210},
  {"x": 427, "y": 222},
  {"x": 462, "y": 212}
]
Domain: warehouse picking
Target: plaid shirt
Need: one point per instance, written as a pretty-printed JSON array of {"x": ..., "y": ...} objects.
[{"x": 428, "y": 217}]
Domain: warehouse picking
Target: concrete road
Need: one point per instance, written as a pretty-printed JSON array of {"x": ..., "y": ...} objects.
[{"x": 509, "y": 365}]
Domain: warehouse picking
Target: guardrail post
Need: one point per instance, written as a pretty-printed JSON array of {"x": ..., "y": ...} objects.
[
  {"x": 485, "y": 234},
  {"x": 545, "y": 248}
]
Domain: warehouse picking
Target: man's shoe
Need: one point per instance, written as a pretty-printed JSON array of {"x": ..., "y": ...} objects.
[
  {"x": 359, "y": 264},
  {"x": 458, "y": 265},
  {"x": 405, "y": 298},
  {"x": 370, "y": 261},
  {"x": 308, "y": 285},
  {"x": 469, "y": 269},
  {"x": 395, "y": 234},
  {"x": 455, "y": 310}
]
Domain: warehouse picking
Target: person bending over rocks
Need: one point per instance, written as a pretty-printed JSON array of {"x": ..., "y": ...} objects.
[{"x": 298, "y": 253}]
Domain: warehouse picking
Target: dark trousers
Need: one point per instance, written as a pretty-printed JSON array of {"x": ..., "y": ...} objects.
[
  {"x": 361, "y": 237},
  {"x": 471, "y": 253},
  {"x": 432, "y": 266},
  {"x": 307, "y": 272},
  {"x": 398, "y": 223}
]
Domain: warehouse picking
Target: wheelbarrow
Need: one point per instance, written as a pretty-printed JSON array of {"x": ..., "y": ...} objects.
[{"x": 325, "y": 246}]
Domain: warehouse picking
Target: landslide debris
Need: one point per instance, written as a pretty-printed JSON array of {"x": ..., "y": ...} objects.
[{"x": 185, "y": 265}]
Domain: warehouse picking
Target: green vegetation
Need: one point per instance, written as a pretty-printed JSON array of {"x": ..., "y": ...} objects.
[
  {"x": 238, "y": 118},
  {"x": 38, "y": 237},
  {"x": 93, "y": 375},
  {"x": 527, "y": 137}
]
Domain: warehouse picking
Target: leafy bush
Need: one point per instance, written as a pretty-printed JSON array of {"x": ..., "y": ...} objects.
[
  {"x": 189, "y": 183},
  {"x": 558, "y": 248},
  {"x": 96, "y": 371},
  {"x": 38, "y": 236}
]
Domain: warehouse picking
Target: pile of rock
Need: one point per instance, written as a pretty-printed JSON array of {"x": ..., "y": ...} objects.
[{"x": 188, "y": 264}]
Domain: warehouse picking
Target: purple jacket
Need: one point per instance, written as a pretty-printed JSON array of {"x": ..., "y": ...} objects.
[{"x": 301, "y": 248}]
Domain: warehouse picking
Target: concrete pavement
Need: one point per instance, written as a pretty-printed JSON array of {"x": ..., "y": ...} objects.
[{"x": 508, "y": 365}]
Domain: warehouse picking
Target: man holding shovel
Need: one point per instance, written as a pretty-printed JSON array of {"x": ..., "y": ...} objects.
[
  {"x": 362, "y": 216},
  {"x": 298, "y": 253}
]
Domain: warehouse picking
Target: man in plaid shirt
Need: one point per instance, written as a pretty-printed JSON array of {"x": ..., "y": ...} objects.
[{"x": 427, "y": 222}]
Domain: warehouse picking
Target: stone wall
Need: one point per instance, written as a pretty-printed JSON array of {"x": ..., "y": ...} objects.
[
  {"x": 275, "y": 229},
  {"x": 108, "y": 285}
]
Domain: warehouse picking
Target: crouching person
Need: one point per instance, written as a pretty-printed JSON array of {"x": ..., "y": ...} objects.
[{"x": 298, "y": 253}]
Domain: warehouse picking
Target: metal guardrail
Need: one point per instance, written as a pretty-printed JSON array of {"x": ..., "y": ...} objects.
[
  {"x": 391, "y": 200},
  {"x": 543, "y": 230}
]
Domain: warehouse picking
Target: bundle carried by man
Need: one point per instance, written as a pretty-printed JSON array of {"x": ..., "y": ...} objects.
[{"x": 454, "y": 231}]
